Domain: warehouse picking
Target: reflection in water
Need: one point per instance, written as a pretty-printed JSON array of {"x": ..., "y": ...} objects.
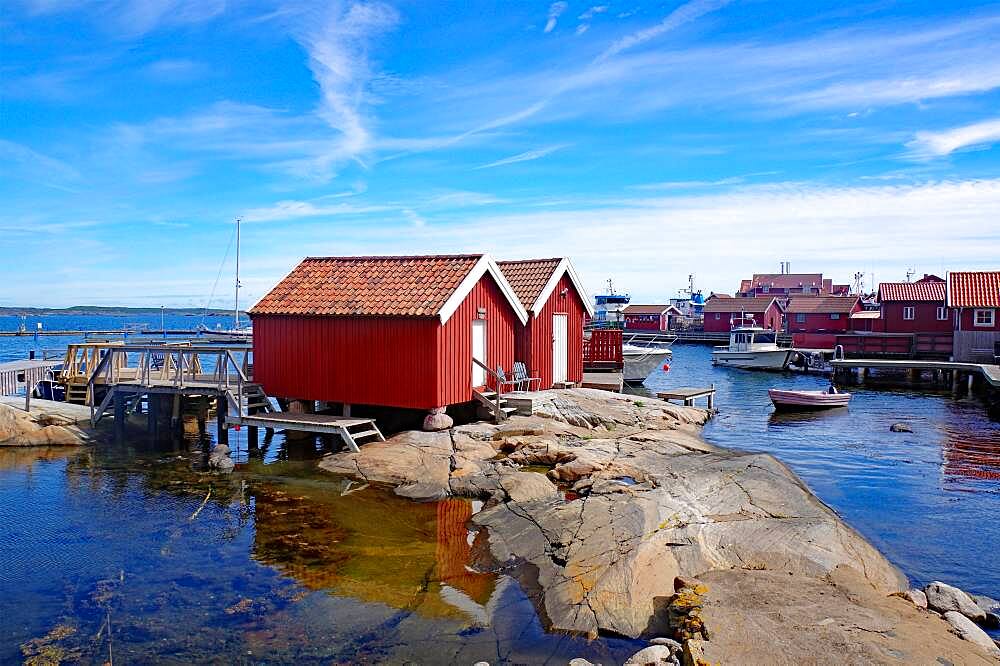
[{"x": 136, "y": 552}]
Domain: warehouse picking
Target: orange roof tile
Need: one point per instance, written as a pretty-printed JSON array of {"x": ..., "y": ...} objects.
[
  {"x": 374, "y": 286},
  {"x": 911, "y": 291},
  {"x": 821, "y": 304},
  {"x": 974, "y": 289},
  {"x": 528, "y": 277}
]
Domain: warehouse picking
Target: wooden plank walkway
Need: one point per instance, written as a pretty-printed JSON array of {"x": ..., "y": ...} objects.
[
  {"x": 607, "y": 381},
  {"x": 349, "y": 429},
  {"x": 990, "y": 372},
  {"x": 689, "y": 394}
]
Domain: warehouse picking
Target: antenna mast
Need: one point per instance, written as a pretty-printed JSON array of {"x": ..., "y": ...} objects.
[{"x": 236, "y": 308}]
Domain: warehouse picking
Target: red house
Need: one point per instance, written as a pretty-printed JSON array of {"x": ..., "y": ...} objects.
[
  {"x": 550, "y": 343},
  {"x": 914, "y": 307},
  {"x": 815, "y": 321},
  {"x": 653, "y": 318},
  {"x": 388, "y": 331},
  {"x": 721, "y": 314},
  {"x": 785, "y": 284},
  {"x": 974, "y": 298}
]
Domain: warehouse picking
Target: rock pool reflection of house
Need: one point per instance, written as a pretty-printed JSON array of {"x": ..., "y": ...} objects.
[{"x": 374, "y": 547}]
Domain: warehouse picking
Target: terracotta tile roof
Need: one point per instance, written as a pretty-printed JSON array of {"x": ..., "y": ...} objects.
[
  {"x": 648, "y": 309},
  {"x": 911, "y": 291},
  {"x": 974, "y": 289},
  {"x": 375, "y": 286},
  {"x": 751, "y": 304},
  {"x": 787, "y": 280},
  {"x": 528, "y": 278},
  {"x": 866, "y": 314},
  {"x": 821, "y": 304}
]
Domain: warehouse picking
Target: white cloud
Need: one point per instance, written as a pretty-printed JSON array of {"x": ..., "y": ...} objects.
[
  {"x": 937, "y": 144},
  {"x": 291, "y": 210},
  {"x": 582, "y": 28},
  {"x": 526, "y": 156},
  {"x": 555, "y": 11},
  {"x": 592, "y": 12},
  {"x": 134, "y": 18},
  {"x": 686, "y": 13}
]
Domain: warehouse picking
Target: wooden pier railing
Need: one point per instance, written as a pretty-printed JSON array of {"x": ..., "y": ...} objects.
[{"x": 603, "y": 346}]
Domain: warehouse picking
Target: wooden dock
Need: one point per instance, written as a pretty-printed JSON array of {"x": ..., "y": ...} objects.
[
  {"x": 606, "y": 381},
  {"x": 689, "y": 394},
  {"x": 955, "y": 370},
  {"x": 350, "y": 430},
  {"x": 15, "y": 375}
]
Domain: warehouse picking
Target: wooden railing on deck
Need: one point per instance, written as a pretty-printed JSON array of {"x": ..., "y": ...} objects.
[
  {"x": 603, "y": 346},
  {"x": 497, "y": 384}
]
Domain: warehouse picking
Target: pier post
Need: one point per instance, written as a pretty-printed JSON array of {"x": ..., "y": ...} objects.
[
  {"x": 971, "y": 381},
  {"x": 152, "y": 416},
  {"x": 202, "y": 414},
  {"x": 253, "y": 445},
  {"x": 954, "y": 382},
  {"x": 119, "y": 417},
  {"x": 221, "y": 408},
  {"x": 711, "y": 399}
]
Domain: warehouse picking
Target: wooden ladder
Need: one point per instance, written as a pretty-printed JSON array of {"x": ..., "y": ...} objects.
[
  {"x": 500, "y": 410},
  {"x": 353, "y": 432},
  {"x": 77, "y": 394}
]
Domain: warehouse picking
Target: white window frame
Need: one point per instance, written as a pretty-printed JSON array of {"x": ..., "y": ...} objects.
[
  {"x": 718, "y": 316},
  {"x": 984, "y": 323},
  {"x": 766, "y": 289},
  {"x": 911, "y": 311},
  {"x": 834, "y": 315},
  {"x": 942, "y": 313},
  {"x": 800, "y": 318}
]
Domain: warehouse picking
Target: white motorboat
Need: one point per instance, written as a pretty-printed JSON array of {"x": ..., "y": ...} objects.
[
  {"x": 752, "y": 348},
  {"x": 643, "y": 354}
]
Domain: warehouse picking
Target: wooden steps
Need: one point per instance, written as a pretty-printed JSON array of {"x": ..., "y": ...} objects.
[{"x": 488, "y": 399}]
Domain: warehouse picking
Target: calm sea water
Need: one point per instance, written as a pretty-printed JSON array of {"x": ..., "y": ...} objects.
[{"x": 280, "y": 563}]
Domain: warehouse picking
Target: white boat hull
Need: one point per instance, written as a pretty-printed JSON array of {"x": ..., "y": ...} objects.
[
  {"x": 640, "y": 365},
  {"x": 753, "y": 360}
]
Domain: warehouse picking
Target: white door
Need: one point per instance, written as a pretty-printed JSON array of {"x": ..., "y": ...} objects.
[
  {"x": 478, "y": 351},
  {"x": 560, "y": 347}
]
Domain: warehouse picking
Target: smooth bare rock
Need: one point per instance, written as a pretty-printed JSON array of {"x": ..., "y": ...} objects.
[
  {"x": 19, "y": 428},
  {"x": 580, "y": 661},
  {"x": 942, "y": 598},
  {"x": 762, "y": 618},
  {"x": 420, "y": 462},
  {"x": 916, "y": 597},
  {"x": 653, "y": 655},
  {"x": 969, "y": 631},
  {"x": 694, "y": 653},
  {"x": 526, "y": 486},
  {"x": 674, "y": 646}
]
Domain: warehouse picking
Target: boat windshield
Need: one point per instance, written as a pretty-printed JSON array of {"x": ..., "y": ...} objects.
[{"x": 764, "y": 338}]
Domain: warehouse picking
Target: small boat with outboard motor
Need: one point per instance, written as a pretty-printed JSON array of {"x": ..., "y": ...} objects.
[
  {"x": 787, "y": 400},
  {"x": 752, "y": 348}
]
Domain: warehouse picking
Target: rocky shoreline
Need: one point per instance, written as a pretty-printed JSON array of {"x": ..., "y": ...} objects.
[
  {"x": 40, "y": 427},
  {"x": 618, "y": 519}
]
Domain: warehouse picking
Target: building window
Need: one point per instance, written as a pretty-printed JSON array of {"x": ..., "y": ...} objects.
[
  {"x": 942, "y": 314},
  {"x": 834, "y": 315},
  {"x": 766, "y": 289},
  {"x": 718, "y": 315},
  {"x": 909, "y": 312},
  {"x": 984, "y": 317},
  {"x": 800, "y": 319}
]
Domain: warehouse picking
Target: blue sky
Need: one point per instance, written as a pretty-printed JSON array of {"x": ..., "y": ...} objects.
[{"x": 646, "y": 140}]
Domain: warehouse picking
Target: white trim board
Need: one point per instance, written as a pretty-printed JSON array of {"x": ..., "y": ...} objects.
[
  {"x": 485, "y": 265},
  {"x": 564, "y": 266}
]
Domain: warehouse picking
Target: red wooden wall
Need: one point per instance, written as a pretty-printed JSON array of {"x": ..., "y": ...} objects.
[
  {"x": 454, "y": 341},
  {"x": 360, "y": 360},
  {"x": 411, "y": 362},
  {"x": 925, "y": 318},
  {"x": 968, "y": 321},
  {"x": 771, "y": 319},
  {"x": 534, "y": 341},
  {"x": 646, "y": 322}
]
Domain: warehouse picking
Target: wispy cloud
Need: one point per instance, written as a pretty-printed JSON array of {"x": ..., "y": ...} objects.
[
  {"x": 338, "y": 41},
  {"x": 526, "y": 156},
  {"x": 133, "y": 18},
  {"x": 686, "y": 13},
  {"x": 938, "y": 144},
  {"x": 292, "y": 210},
  {"x": 555, "y": 11},
  {"x": 592, "y": 12}
]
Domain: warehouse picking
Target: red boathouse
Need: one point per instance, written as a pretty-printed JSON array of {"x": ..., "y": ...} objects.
[
  {"x": 721, "y": 314},
  {"x": 974, "y": 298},
  {"x": 388, "y": 331},
  {"x": 914, "y": 307},
  {"x": 652, "y": 318},
  {"x": 550, "y": 343}
]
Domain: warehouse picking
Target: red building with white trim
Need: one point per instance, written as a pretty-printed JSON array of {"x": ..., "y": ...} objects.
[
  {"x": 550, "y": 343},
  {"x": 974, "y": 298},
  {"x": 815, "y": 321},
  {"x": 652, "y": 318},
  {"x": 387, "y": 331},
  {"x": 721, "y": 314},
  {"x": 914, "y": 307}
]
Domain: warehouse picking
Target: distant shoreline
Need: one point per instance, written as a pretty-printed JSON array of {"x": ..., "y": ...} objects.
[{"x": 80, "y": 310}]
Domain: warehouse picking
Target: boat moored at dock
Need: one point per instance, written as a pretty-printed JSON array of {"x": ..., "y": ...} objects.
[{"x": 752, "y": 348}]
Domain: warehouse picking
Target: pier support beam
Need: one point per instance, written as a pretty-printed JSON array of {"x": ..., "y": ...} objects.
[
  {"x": 954, "y": 382},
  {"x": 221, "y": 409},
  {"x": 971, "y": 382},
  {"x": 119, "y": 417},
  {"x": 253, "y": 445}
]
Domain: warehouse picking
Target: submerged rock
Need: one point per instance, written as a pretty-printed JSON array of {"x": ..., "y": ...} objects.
[
  {"x": 968, "y": 630},
  {"x": 654, "y": 654},
  {"x": 219, "y": 459},
  {"x": 943, "y": 598},
  {"x": 900, "y": 427}
]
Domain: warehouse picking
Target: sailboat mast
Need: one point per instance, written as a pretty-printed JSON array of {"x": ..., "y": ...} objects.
[{"x": 236, "y": 308}]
